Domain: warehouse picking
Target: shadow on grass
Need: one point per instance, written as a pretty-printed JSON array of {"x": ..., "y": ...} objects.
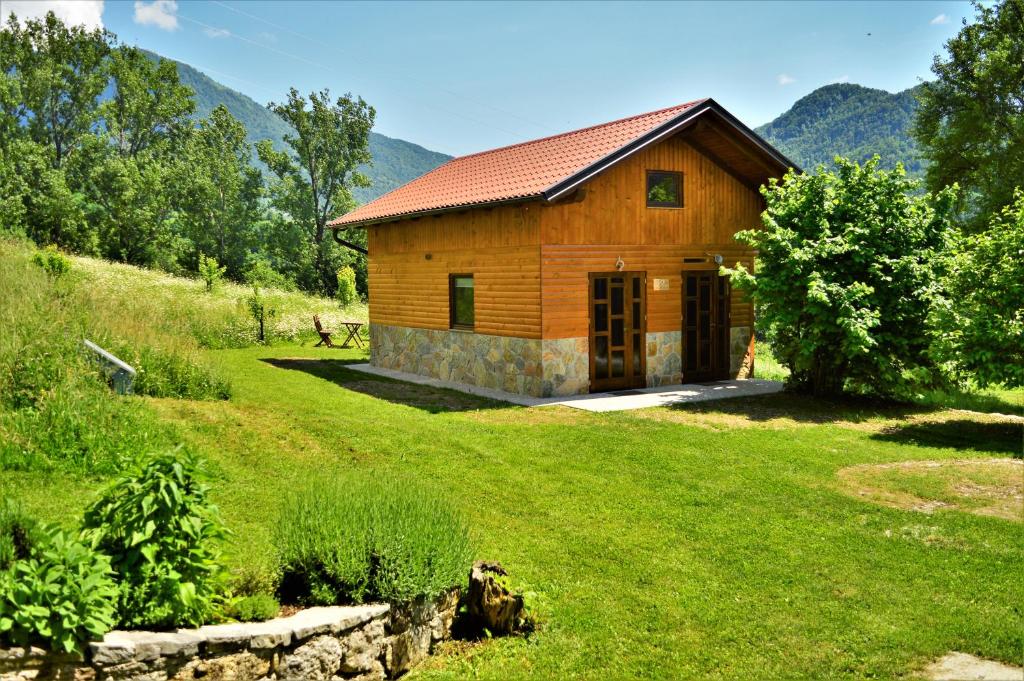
[
  {"x": 983, "y": 436},
  {"x": 990, "y": 401},
  {"x": 804, "y": 409},
  {"x": 427, "y": 398}
]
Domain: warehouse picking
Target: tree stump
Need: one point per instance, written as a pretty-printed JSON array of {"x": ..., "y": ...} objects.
[{"x": 489, "y": 603}]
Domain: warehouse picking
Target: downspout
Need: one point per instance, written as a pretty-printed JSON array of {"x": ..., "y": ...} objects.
[{"x": 347, "y": 244}]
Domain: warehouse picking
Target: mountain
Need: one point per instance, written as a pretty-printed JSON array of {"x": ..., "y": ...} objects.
[
  {"x": 848, "y": 120},
  {"x": 395, "y": 161}
]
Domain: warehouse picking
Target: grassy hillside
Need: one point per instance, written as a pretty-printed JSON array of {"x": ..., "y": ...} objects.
[
  {"x": 214, "y": 320},
  {"x": 56, "y": 413},
  {"x": 848, "y": 120},
  {"x": 395, "y": 161}
]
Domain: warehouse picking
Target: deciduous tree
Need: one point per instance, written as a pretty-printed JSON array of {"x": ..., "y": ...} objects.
[
  {"x": 971, "y": 121},
  {"x": 61, "y": 72},
  {"x": 847, "y": 276},
  {"x": 220, "y": 191},
  {"x": 314, "y": 180},
  {"x": 981, "y": 321}
]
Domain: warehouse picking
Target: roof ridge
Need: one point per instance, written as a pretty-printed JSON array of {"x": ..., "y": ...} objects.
[{"x": 684, "y": 105}]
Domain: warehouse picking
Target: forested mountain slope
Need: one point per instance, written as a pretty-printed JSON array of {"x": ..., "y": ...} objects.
[{"x": 848, "y": 120}]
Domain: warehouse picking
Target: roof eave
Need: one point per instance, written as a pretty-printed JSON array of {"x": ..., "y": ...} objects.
[{"x": 529, "y": 198}]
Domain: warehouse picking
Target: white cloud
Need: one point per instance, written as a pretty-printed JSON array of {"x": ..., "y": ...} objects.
[
  {"x": 212, "y": 32},
  {"x": 88, "y": 13},
  {"x": 941, "y": 19},
  {"x": 267, "y": 36},
  {"x": 845, "y": 78},
  {"x": 785, "y": 79},
  {"x": 159, "y": 13}
]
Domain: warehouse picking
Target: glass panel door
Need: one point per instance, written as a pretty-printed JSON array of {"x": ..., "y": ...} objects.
[
  {"x": 705, "y": 324},
  {"x": 617, "y": 330}
]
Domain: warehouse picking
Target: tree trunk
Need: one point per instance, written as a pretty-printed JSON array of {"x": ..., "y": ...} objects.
[{"x": 826, "y": 378}]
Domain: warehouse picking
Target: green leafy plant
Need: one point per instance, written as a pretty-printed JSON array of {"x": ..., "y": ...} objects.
[
  {"x": 981, "y": 321},
  {"x": 210, "y": 271},
  {"x": 53, "y": 262},
  {"x": 261, "y": 308},
  {"x": 160, "y": 530},
  {"x": 346, "y": 294},
  {"x": 355, "y": 541},
  {"x": 61, "y": 596},
  {"x": 535, "y": 606},
  {"x": 849, "y": 261}
]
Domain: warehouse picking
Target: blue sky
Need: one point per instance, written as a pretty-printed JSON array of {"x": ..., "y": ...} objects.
[{"x": 462, "y": 77}]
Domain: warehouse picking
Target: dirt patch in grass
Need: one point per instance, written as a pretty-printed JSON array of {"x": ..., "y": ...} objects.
[
  {"x": 987, "y": 487},
  {"x": 958, "y": 666}
]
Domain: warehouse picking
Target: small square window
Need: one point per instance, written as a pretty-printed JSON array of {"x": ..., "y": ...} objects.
[
  {"x": 664, "y": 189},
  {"x": 460, "y": 301}
]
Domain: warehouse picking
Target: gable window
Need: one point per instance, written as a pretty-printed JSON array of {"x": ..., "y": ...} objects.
[
  {"x": 664, "y": 189},
  {"x": 460, "y": 301}
]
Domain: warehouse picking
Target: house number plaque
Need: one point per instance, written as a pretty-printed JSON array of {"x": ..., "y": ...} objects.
[{"x": 661, "y": 284}]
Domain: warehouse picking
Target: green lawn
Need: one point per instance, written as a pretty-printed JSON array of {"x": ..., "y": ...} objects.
[{"x": 711, "y": 541}]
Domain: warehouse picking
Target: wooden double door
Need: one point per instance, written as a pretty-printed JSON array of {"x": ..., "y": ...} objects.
[
  {"x": 618, "y": 330},
  {"x": 705, "y": 326}
]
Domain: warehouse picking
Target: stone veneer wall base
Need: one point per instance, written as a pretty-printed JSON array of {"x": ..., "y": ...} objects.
[
  {"x": 527, "y": 366},
  {"x": 368, "y": 643}
]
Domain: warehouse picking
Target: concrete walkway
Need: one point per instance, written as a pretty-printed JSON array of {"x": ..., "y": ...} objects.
[{"x": 619, "y": 400}]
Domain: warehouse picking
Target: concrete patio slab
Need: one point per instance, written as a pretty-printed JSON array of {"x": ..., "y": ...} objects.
[{"x": 621, "y": 400}]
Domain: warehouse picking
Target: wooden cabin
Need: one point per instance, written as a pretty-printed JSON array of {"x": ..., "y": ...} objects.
[{"x": 583, "y": 262}]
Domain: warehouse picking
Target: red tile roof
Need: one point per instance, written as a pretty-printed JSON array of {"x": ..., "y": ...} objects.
[{"x": 519, "y": 171}]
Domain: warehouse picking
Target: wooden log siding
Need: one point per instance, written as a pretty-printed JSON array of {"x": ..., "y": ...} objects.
[
  {"x": 613, "y": 221},
  {"x": 500, "y": 247},
  {"x": 530, "y": 261}
]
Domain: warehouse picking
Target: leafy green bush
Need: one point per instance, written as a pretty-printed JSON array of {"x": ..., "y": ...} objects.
[
  {"x": 352, "y": 542},
  {"x": 160, "y": 531},
  {"x": 254, "y": 579},
  {"x": 848, "y": 270},
  {"x": 254, "y": 608},
  {"x": 210, "y": 271},
  {"x": 53, "y": 262},
  {"x": 60, "y": 596},
  {"x": 981, "y": 321},
  {"x": 346, "y": 293}
]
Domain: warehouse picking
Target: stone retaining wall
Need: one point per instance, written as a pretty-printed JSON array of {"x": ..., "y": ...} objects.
[{"x": 361, "y": 642}]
